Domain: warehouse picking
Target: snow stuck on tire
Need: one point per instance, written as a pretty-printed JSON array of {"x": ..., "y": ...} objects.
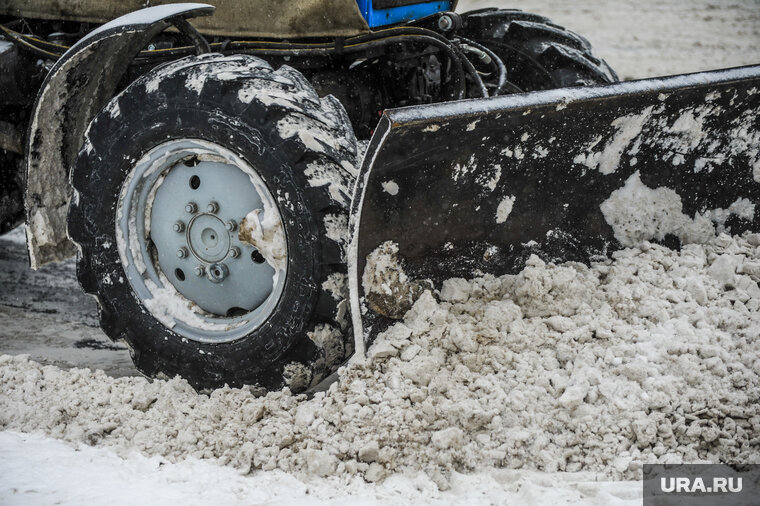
[{"x": 652, "y": 356}]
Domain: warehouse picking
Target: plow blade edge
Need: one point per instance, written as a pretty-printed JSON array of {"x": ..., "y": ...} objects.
[{"x": 465, "y": 188}]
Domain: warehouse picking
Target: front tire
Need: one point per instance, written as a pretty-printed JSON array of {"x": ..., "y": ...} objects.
[{"x": 195, "y": 284}]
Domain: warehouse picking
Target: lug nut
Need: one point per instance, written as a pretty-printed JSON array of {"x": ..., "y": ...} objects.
[
  {"x": 231, "y": 226},
  {"x": 217, "y": 273},
  {"x": 191, "y": 207},
  {"x": 212, "y": 207},
  {"x": 182, "y": 252},
  {"x": 235, "y": 252},
  {"x": 200, "y": 271},
  {"x": 179, "y": 227}
]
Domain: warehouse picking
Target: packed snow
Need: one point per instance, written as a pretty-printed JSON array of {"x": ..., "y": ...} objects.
[
  {"x": 267, "y": 235},
  {"x": 550, "y": 386},
  {"x": 99, "y": 476}
]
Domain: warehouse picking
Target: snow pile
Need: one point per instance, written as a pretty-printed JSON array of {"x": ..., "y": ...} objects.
[{"x": 653, "y": 356}]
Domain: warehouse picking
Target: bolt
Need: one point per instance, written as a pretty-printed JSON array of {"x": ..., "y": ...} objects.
[
  {"x": 212, "y": 207},
  {"x": 235, "y": 252},
  {"x": 179, "y": 227},
  {"x": 182, "y": 252},
  {"x": 200, "y": 271},
  {"x": 445, "y": 23},
  {"x": 231, "y": 225},
  {"x": 191, "y": 207}
]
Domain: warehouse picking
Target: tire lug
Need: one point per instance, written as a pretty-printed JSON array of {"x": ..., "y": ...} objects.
[
  {"x": 212, "y": 207},
  {"x": 200, "y": 271},
  {"x": 231, "y": 226},
  {"x": 179, "y": 227},
  {"x": 191, "y": 207},
  {"x": 235, "y": 252},
  {"x": 182, "y": 252}
]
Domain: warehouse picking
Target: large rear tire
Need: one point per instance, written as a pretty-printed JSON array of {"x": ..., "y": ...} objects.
[
  {"x": 210, "y": 211},
  {"x": 538, "y": 54}
]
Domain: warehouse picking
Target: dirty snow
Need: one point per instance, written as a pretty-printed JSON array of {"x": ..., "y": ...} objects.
[
  {"x": 91, "y": 475},
  {"x": 387, "y": 288},
  {"x": 267, "y": 235},
  {"x": 652, "y": 356},
  {"x": 168, "y": 306}
]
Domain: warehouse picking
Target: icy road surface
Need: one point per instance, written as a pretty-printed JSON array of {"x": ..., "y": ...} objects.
[{"x": 46, "y": 315}]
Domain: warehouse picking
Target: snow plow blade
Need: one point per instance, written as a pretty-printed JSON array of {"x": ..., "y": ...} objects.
[{"x": 464, "y": 188}]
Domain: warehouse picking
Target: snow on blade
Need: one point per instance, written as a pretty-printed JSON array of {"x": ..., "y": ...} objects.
[
  {"x": 638, "y": 213},
  {"x": 607, "y": 160},
  {"x": 504, "y": 209}
]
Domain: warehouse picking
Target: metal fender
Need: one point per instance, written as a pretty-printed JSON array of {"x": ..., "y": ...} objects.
[{"x": 78, "y": 86}]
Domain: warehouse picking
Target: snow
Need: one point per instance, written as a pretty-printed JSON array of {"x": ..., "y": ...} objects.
[
  {"x": 649, "y": 357},
  {"x": 386, "y": 286},
  {"x": 320, "y": 173},
  {"x": 390, "y": 187},
  {"x": 504, "y": 209},
  {"x": 267, "y": 235},
  {"x": 99, "y": 476},
  {"x": 638, "y": 213},
  {"x": 607, "y": 161}
]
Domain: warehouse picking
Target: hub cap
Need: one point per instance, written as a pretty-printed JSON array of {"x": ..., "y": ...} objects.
[{"x": 180, "y": 211}]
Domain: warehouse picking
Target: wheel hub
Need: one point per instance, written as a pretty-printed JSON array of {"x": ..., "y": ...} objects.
[
  {"x": 208, "y": 238},
  {"x": 183, "y": 204},
  {"x": 211, "y": 195}
]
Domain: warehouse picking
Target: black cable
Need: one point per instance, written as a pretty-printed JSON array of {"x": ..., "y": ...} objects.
[{"x": 497, "y": 62}]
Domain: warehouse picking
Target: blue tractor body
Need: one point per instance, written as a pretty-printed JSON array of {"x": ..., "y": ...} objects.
[{"x": 388, "y": 12}]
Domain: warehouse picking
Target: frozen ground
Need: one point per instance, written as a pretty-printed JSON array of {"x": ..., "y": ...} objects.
[{"x": 94, "y": 431}]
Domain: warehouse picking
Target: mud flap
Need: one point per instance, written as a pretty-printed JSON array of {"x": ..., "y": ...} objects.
[
  {"x": 472, "y": 187},
  {"x": 80, "y": 83}
]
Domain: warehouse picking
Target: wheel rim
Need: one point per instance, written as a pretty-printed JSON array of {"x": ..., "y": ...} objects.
[{"x": 178, "y": 229}]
